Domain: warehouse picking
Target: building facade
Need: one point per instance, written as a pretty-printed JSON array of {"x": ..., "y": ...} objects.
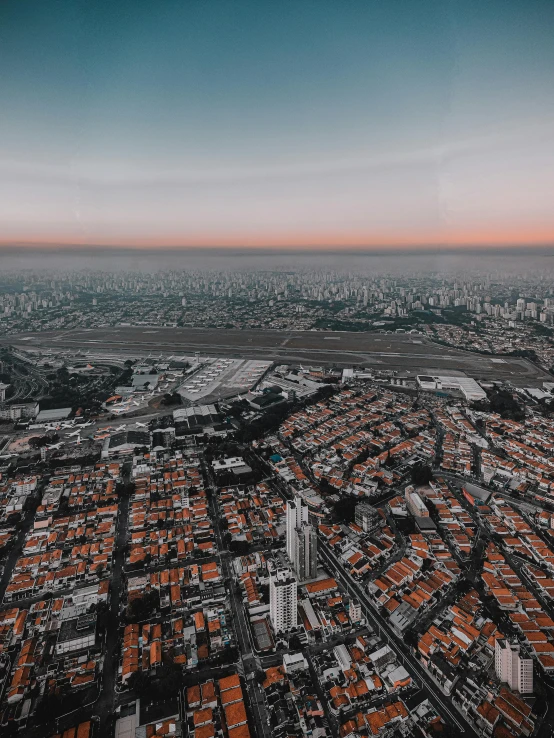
[
  {"x": 283, "y": 596},
  {"x": 301, "y": 541},
  {"x": 513, "y": 667},
  {"x": 415, "y": 504},
  {"x": 297, "y": 514},
  {"x": 367, "y": 517},
  {"x": 305, "y": 553}
]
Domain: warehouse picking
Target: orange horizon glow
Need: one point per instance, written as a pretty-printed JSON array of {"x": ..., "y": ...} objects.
[{"x": 479, "y": 238}]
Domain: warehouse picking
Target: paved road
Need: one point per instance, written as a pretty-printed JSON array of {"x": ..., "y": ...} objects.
[
  {"x": 250, "y": 662},
  {"x": 17, "y": 547},
  {"x": 106, "y": 704},
  {"x": 403, "y": 352},
  {"x": 447, "y": 710},
  {"x": 525, "y": 503}
]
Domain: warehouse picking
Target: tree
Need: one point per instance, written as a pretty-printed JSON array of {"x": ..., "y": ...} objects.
[
  {"x": 501, "y": 401},
  {"x": 48, "y": 709},
  {"x": 41, "y": 441},
  {"x": 143, "y": 607},
  {"x": 295, "y": 644},
  {"x": 239, "y": 547},
  {"x": 525, "y": 353},
  {"x": 411, "y": 638},
  {"x": 173, "y": 398},
  {"x": 421, "y": 474},
  {"x": 170, "y": 678},
  {"x": 345, "y": 510},
  {"x": 140, "y": 683}
]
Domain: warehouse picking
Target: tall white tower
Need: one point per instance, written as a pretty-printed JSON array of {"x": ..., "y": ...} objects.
[
  {"x": 513, "y": 668},
  {"x": 297, "y": 513},
  {"x": 301, "y": 540},
  {"x": 283, "y": 597},
  {"x": 305, "y": 553}
]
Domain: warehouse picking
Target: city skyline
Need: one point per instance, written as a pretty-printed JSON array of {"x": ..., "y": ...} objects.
[{"x": 298, "y": 126}]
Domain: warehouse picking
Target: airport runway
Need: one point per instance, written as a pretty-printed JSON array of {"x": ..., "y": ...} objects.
[{"x": 405, "y": 353}]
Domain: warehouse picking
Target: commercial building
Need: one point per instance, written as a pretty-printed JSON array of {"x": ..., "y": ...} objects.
[
  {"x": 367, "y": 517},
  {"x": 305, "y": 552},
  {"x": 294, "y": 662},
  {"x": 415, "y": 504},
  {"x": 52, "y": 416},
  {"x": 355, "y": 611},
  {"x": 469, "y": 388},
  {"x": 283, "y": 600},
  {"x": 228, "y": 464},
  {"x": 17, "y": 411},
  {"x": 512, "y": 667},
  {"x": 297, "y": 514},
  {"x": 76, "y": 635},
  {"x": 301, "y": 540}
]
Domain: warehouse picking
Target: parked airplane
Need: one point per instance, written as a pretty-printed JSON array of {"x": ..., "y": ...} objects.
[
  {"x": 142, "y": 425},
  {"x": 75, "y": 433}
]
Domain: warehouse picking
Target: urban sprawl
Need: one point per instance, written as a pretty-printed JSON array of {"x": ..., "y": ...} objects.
[{"x": 204, "y": 543}]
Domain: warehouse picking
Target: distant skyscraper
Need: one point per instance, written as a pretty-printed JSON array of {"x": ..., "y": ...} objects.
[
  {"x": 513, "y": 668},
  {"x": 283, "y": 594},
  {"x": 301, "y": 541}
]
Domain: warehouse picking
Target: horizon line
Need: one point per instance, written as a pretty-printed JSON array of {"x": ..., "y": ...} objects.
[{"x": 29, "y": 247}]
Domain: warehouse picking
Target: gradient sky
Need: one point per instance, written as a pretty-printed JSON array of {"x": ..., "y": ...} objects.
[{"x": 277, "y": 122}]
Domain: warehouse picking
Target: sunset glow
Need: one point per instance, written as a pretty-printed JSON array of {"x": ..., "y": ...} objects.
[{"x": 315, "y": 125}]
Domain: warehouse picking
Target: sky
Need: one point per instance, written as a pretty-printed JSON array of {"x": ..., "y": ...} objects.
[{"x": 279, "y": 123}]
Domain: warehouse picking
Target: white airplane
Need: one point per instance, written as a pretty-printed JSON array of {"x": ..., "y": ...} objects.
[
  {"x": 141, "y": 425},
  {"x": 53, "y": 446},
  {"x": 75, "y": 433}
]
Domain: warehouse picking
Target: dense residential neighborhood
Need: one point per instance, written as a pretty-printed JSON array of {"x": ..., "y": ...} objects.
[{"x": 208, "y": 545}]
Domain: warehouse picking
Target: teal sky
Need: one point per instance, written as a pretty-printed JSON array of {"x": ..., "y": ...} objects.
[{"x": 226, "y": 122}]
